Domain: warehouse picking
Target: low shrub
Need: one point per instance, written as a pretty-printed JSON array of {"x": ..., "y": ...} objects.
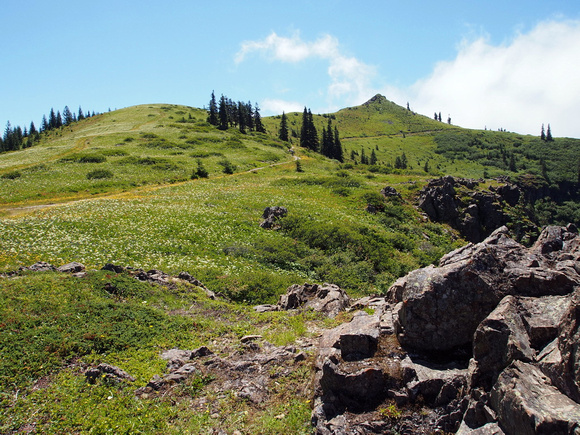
[
  {"x": 98, "y": 174},
  {"x": 12, "y": 175}
]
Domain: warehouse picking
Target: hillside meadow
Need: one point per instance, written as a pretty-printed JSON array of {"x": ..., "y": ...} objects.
[{"x": 125, "y": 187}]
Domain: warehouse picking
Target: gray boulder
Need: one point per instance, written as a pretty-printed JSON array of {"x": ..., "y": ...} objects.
[
  {"x": 327, "y": 298},
  {"x": 271, "y": 215},
  {"x": 108, "y": 374},
  {"x": 440, "y": 307},
  {"x": 526, "y": 402},
  {"x": 73, "y": 267}
]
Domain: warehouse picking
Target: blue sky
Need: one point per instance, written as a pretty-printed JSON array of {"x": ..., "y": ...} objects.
[{"x": 494, "y": 64}]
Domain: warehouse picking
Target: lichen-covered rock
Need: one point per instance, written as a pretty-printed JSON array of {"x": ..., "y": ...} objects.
[
  {"x": 107, "y": 373},
  {"x": 271, "y": 215},
  {"x": 526, "y": 402},
  {"x": 328, "y": 298},
  {"x": 440, "y": 307}
]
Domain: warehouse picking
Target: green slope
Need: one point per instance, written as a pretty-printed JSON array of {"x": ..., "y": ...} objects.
[{"x": 150, "y": 214}]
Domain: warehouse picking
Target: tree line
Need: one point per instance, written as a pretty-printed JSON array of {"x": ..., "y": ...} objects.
[
  {"x": 229, "y": 113},
  {"x": 16, "y": 138},
  {"x": 328, "y": 145}
]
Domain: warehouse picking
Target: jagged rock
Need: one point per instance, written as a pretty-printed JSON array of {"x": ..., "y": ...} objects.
[
  {"x": 569, "y": 347},
  {"x": 488, "y": 429},
  {"x": 328, "y": 298},
  {"x": 265, "y": 308},
  {"x": 107, "y": 373},
  {"x": 542, "y": 317},
  {"x": 390, "y": 192},
  {"x": 437, "y": 384},
  {"x": 271, "y": 215},
  {"x": 498, "y": 340},
  {"x": 476, "y": 215},
  {"x": 40, "y": 266},
  {"x": 113, "y": 268},
  {"x": 73, "y": 267},
  {"x": 527, "y": 403},
  {"x": 440, "y": 307}
]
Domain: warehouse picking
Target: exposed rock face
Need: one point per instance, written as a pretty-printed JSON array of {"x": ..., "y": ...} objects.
[
  {"x": 476, "y": 214},
  {"x": 271, "y": 215},
  {"x": 440, "y": 307},
  {"x": 107, "y": 373},
  {"x": 518, "y": 309},
  {"x": 527, "y": 403},
  {"x": 247, "y": 372},
  {"x": 390, "y": 192},
  {"x": 73, "y": 267},
  {"x": 328, "y": 298}
]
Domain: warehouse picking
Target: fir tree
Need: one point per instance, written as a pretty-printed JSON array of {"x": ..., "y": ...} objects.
[
  {"x": 549, "y": 137},
  {"x": 242, "y": 117},
  {"x": 223, "y": 114},
  {"x": 44, "y": 125},
  {"x": 363, "y": 158},
  {"x": 543, "y": 133},
  {"x": 258, "y": 120},
  {"x": 283, "y": 131},
  {"x": 51, "y": 119},
  {"x": 81, "y": 115},
  {"x": 67, "y": 116},
  {"x": 213, "y": 111},
  {"x": 373, "y": 160},
  {"x": 308, "y": 133}
]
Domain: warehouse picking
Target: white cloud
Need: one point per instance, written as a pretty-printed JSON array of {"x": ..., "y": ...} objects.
[
  {"x": 275, "y": 107},
  {"x": 349, "y": 78},
  {"x": 519, "y": 85}
]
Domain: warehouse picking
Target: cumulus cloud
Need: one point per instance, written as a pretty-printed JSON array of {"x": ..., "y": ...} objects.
[
  {"x": 349, "y": 78},
  {"x": 518, "y": 85},
  {"x": 275, "y": 106}
]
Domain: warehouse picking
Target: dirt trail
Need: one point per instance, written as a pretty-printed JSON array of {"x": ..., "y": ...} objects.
[{"x": 8, "y": 211}]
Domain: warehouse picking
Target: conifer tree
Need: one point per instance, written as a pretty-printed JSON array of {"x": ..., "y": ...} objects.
[
  {"x": 223, "y": 114},
  {"x": 258, "y": 120},
  {"x": 363, "y": 158},
  {"x": 81, "y": 115},
  {"x": 283, "y": 131},
  {"x": 67, "y": 116},
  {"x": 44, "y": 124},
  {"x": 213, "y": 111},
  {"x": 549, "y": 137},
  {"x": 51, "y": 119},
  {"x": 543, "y": 133},
  {"x": 373, "y": 160},
  {"x": 242, "y": 117}
]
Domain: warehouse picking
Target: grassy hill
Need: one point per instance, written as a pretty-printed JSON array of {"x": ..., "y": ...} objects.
[{"x": 118, "y": 188}]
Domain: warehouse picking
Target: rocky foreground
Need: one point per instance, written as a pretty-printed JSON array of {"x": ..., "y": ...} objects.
[{"x": 487, "y": 342}]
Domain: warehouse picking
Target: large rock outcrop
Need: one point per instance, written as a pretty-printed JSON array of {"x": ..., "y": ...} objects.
[
  {"x": 485, "y": 343},
  {"x": 439, "y": 308},
  {"x": 475, "y": 213}
]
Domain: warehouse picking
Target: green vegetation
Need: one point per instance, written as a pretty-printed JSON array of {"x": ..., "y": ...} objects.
[
  {"x": 168, "y": 187},
  {"x": 55, "y": 325}
]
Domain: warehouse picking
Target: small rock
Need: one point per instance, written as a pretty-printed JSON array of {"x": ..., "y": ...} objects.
[
  {"x": 249, "y": 338},
  {"x": 73, "y": 267}
]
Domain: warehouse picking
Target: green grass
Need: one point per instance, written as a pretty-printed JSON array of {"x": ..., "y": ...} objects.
[
  {"x": 125, "y": 187},
  {"x": 53, "y": 325}
]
